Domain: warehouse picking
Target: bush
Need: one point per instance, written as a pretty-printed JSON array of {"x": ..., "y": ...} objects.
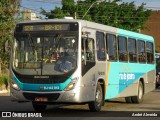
[{"x": 4, "y": 79}]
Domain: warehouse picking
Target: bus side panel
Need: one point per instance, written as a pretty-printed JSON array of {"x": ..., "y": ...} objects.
[
  {"x": 120, "y": 76},
  {"x": 123, "y": 79},
  {"x": 89, "y": 80},
  {"x": 112, "y": 86},
  {"x": 151, "y": 79}
]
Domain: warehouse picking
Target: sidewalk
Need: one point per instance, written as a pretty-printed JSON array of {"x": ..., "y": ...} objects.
[{"x": 3, "y": 91}]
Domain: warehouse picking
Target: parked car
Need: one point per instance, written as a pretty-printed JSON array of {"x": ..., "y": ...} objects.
[
  {"x": 157, "y": 75},
  {"x": 158, "y": 80},
  {"x": 157, "y": 56}
]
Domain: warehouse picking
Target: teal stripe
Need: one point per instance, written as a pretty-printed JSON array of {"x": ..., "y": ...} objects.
[
  {"x": 116, "y": 84},
  {"x": 117, "y": 79},
  {"x": 46, "y": 87},
  {"x": 134, "y": 35}
]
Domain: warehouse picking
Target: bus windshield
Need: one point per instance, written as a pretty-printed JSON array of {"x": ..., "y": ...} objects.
[{"x": 54, "y": 54}]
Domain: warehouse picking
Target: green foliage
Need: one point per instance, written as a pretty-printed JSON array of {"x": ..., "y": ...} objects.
[
  {"x": 4, "y": 79},
  {"x": 124, "y": 15},
  {"x": 8, "y": 8}
]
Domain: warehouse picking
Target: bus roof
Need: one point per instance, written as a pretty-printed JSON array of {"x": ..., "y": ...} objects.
[{"x": 97, "y": 26}]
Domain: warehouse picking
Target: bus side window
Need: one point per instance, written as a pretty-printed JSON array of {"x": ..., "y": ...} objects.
[
  {"x": 150, "y": 53},
  {"x": 141, "y": 51},
  {"x": 132, "y": 50},
  {"x": 100, "y": 46},
  {"x": 87, "y": 54},
  {"x": 89, "y": 50},
  {"x": 111, "y": 47},
  {"x": 122, "y": 49}
]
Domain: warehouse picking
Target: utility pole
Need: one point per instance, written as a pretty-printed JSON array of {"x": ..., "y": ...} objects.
[
  {"x": 91, "y": 7},
  {"x": 75, "y": 15}
]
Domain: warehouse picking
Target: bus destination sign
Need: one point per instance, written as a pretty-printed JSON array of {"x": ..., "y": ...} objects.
[{"x": 46, "y": 27}]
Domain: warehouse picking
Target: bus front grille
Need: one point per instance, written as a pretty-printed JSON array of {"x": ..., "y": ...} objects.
[{"x": 41, "y": 81}]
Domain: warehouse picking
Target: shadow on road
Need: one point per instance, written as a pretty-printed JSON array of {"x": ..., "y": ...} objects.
[
  {"x": 115, "y": 101},
  {"x": 68, "y": 112},
  {"x": 157, "y": 90}
]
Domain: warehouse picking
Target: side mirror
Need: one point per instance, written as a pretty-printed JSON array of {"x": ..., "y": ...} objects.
[{"x": 84, "y": 44}]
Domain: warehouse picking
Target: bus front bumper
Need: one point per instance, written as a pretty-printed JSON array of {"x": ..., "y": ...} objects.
[{"x": 77, "y": 95}]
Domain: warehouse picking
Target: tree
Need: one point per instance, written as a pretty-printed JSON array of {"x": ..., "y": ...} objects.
[
  {"x": 125, "y": 15},
  {"x": 8, "y": 8}
]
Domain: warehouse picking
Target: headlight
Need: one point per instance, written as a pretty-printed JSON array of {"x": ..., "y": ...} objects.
[
  {"x": 71, "y": 84},
  {"x": 15, "y": 86}
]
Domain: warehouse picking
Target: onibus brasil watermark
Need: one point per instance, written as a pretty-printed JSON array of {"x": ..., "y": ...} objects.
[{"x": 18, "y": 114}]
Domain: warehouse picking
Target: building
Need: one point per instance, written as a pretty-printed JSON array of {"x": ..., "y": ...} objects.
[
  {"x": 29, "y": 15},
  {"x": 153, "y": 28}
]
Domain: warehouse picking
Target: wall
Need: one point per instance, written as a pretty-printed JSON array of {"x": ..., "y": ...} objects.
[{"x": 153, "y": 28}]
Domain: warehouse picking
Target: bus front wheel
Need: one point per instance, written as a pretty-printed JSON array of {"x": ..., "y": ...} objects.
[
  {"x": 139, "y": 97},
  {"x": 95, "y": 106},
  {"x": 38, "y": 107}
]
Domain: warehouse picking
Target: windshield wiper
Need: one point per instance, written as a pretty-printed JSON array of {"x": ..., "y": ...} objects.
[
  {"x": 58, "y": 40},
  {"x": 31, "y": 43}
]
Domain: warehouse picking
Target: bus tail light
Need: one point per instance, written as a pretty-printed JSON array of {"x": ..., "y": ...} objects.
[{"x": 72, "y": 84}]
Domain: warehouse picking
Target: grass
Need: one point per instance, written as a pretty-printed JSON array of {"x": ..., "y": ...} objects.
[{"x": 4, "y": 80}]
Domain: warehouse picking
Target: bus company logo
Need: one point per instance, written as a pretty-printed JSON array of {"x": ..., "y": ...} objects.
[{"x": 127, "y": 76}]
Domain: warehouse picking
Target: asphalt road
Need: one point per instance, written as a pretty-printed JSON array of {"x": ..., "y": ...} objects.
[{"x": 112, "y": 108}]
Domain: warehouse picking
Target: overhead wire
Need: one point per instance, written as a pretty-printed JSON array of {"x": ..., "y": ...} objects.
[{"x": 110, "y": 17}]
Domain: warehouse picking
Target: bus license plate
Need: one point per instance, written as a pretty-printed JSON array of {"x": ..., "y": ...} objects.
[{"x": 41, "y": 99}]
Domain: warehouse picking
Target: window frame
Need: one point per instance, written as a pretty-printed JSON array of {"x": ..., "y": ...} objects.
[
  {"x": 150, "y": 53},
  {"x": 129, "y": 38},
  {"x": 142, "y": 62},
  {"x": 119, "y": 48},
  {"x": 85, "y": 53},
  {"x": 116, "y": 49},
  {"x": 97, "y": 32}
]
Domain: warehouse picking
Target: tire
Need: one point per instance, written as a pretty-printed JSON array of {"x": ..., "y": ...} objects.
[
  {"x": 128, "y": 99},
  {"x": 96, "y": 105},
  {"x": 139, "y": 98},
  {"x": 157, "y": 86},
  {"x": 39, "y": 107}
]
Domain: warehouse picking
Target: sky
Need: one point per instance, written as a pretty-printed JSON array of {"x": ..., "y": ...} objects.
[
  {"x": 149, "y": 3},
  {"x": 48, "y": 5}
]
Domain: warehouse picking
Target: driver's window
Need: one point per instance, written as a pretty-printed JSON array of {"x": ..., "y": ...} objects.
[{"x": 88, "y": 46}]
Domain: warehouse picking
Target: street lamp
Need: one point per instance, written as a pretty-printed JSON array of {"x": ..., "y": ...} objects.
[{"x": 90, "y": 7}]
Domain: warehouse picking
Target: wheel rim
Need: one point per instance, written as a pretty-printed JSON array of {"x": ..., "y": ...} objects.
[{"x": 98, "y": 97}]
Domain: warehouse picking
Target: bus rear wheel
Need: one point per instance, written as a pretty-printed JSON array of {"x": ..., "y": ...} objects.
[
  {"x": 96, "y": 105},
  {"x": 128, "y": 99},
  {"x": 139, "y": 97},
  {"x": 39, "y": 107}
]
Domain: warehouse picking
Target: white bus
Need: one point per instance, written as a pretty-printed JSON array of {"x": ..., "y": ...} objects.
[{"x": 64, "y": 61}]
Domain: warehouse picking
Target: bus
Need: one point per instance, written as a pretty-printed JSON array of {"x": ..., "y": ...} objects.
[{"x": 69, "y": 61}]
